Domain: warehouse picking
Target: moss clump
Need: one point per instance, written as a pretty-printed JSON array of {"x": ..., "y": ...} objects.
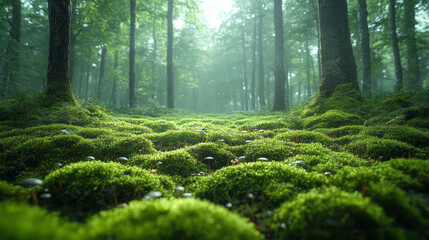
[
  {"x": 417, "y": 169},
  {"x": 396, "y": 102},
  {"x": 160, "y": 126},
  {"x": 302, "y": 136},
  {"x": 341, "y": 131},
  {"x": 20, "y": 222},
  {"x": 83, "y": 188},
  {"x": 374, "y": 148},
  {"x": 172, "y": 140},
  {"x": 266, "y": 125},
  {"x": 332, "y": 119},
  {"x": 264, "y": 180},
  {"x": 173, "y": 163},
  {"x": 221, "y": 156},
  {"x": 126, "y": 147},
  {"x": 232, "y": 138},
  {"x": 330, "y": 214},
  {"x": 164, "y": 219},
  {"x": 406, "y": 134},
  {"x": 8, "y": 192}
]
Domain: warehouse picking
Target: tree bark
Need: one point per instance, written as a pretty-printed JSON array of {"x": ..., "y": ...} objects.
[
  {"x": 253, "y": 80},
  {"x": 399, "y": 84},
  {"x": 72, "y": 42},
  {"x": 58, "y": 82},
  {"x": 101, "y": 75},
  {"x": 279, "y": 72},
  {"x": 170, "y": 77},
  {"x": 261, "y": 74},
  {"x": 364, "y": 47},
  {"x": 246, "y": 99},
  {"x": 410, "y": 41},
  {"x": 338, "y": 64},
  {"x": 12, "y": 53},
  {"x": 155, "y": 48},
  {"x": 132, "y": 74},
  {"x": 115, "y": 79},
  {"x": 307, "y": 67}
]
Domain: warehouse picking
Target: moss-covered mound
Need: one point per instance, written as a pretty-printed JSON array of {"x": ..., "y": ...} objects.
[
  {"x": 172, "y": 140},
  {"x": 332, "y": 119},
  {"x": 221, "y": 156},
  {"x": 21, "y": 222},
  {"x": 83, "y": 188},
  {"x": 302, "y": 136},
  {"x": 160, "y": 125},
  {"x": 164, "y": 219},
  {"x": 268, "y": 182},
  {"x": 331, "y": 214},
  {"x": 8, "y": 192},
  {"x": 412, "y": 136}
]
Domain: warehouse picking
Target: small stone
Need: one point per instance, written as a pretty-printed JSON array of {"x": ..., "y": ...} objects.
[
  {"x": 262, "y": 159},
  {"x": 179, "y": 189},
  {"x": 248, "y": 141},
  {"x": 155, "y": 194},
  {"x": 228, "y": 205},
  {"x": 186, "y": 195}
]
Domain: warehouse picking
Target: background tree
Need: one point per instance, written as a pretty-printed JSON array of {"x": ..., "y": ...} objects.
[
  {"x": 132, "y": 73},
  {"x": 365, "y": 48},
  {"x": 279, "y": 92},
  {"x": 394, "y": 40},
  {"x": 170, "y": 77},
  {"x": 413, "y": 71}
]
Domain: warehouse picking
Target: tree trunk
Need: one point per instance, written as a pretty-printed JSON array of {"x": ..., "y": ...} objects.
[
  {"x": 72, "y": 42},
  {"x": 246, "y": 99},
  {"x": 307, "y": 67},
  {"x": 410, "y": 41},
  {"x": 155, "y": 48},
  {"x": 261, "y": 74},
  {"x": 101, "y": 76},
  {"x": 279, "y": 72},
  {"x": 12, "y": 53},
  {"x": 364, "y": 47},
  {"x": 115, "y": 79},
  {"x": 132, "y": 82},
  {"x": 338, "y": 64},
  {"x": 399, "y": 84},
  {"x": 58, "y": 82},
  {"x": 88, "y": 71},
  {"x": 253, "y": 80},
  {"x": 170, "y": 77}
]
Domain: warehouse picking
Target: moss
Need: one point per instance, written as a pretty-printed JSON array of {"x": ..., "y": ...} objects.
[
  {"x": 374, "y": 148},
  {"x": 417, "y": 169},
  {"x": 176, "y": 219},
  {"x": 332, "y": 119},
  {"x": 160, "y": 125},
  {"x": 8, "y": 192},
  {"x": 20, "y": 221},
  {"x": 126, "y": 147},
  {"x": 406, "y": 134},
  {"x": 341, "y": 131},
  {"x": 81, "y": 189},
  {"x": 178, "y": 162},
  {"x": 263, "y": 180},
  {"x": 221, "y": 156},
  {"x": 302, "y": 136},
  {"x": 172, "y": 140},
  {"x": 396, "y": 102},
  {"x": 330, "y": 213},
  {"x": 232, "y": 138},
  {"x": 265, "y": 125}
]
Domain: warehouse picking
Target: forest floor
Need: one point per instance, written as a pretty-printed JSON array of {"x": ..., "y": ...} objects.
[{"x": 339, "y": 167}]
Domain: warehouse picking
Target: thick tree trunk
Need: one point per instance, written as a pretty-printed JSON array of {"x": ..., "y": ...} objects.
[
  {"x": 72, "y": 43},
  {"x": 338, "y": 64},
  {"x": 246, "y": 98},
  {"x": 399, "y": 84},
  {"x": 12, "y": 53},
  {"x": 170, "y": 77},
  {"x": 261, "y": 74},
  {"x": 410, "y": 41},
  {"x": 115, "y": 79},
  {"x": 101, "y": 75},
  {"x": 279, "y": 72},
  {"x": 253, "y": 80},
  {"x": 58, "y": 83},
  {"x": 364, "y": 47},
  {"x": 132, "y": 74}
]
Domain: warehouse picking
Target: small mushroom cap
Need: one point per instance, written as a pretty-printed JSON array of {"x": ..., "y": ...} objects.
[
  {"x": 241, "y": 157},
  {"x": 179, "y": 189},
  {"x": 186, "y": 195},
  {"x": 155, "y": 194},
  {"x": 262, "y": 159},
  {"x": 297, "y": 163},
  {"x": 201, "y": 131},
  {"x": 123, "y": 159},
  {"x": 45, "y": 196},
  {"x": 90, "y": 158},
  {"x": 262, "y": 130},
  {"x": 228, "y": 205},
  {"x": 243, "y": 131},
  {"x": 32, "y": 182},
  {"x": 208, "y": 158},
  {"x": 328, "y": 173},
  {"x": 248, "y": 141},
  {"x": 251, "y": 196},
  {"x": 159, "y": 163}
]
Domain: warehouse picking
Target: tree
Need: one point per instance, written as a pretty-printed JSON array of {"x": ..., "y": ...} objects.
[
  {"x": 132, "y": 82},
  {"x": 58, "y": 87},
  {"x": 394, "y": 39},
  {"x": 364, "y": 46},
  {"x": 338, "y": 64},
  {"x": 253, "y": 78},
  {"x": 101, "y": 75},
  {"x": 413, "y": 71},
  {"x": 170, "y": 77},
  {"x": 279, "y": 87},
  {"x": 261, "y": 75}
]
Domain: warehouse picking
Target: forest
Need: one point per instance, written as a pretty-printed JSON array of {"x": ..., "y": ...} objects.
[{"x": 214, "y": 119}]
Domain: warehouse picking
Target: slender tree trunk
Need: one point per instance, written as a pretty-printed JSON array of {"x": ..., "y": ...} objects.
[
  {"x": 155, "y": 48},
  {"x": 410, "y": 41},
  {"x": 261, "y": 74},
  {"x": 314, "y": 5},
  {"x": 88, "y": 71},
  {"x": 58, "y": 83},
  {"x": 365, "y": 48},
  {"x": 101, "y": 75},
  {"x": 115, "y": 79},
  {"x": 132, "y": 82},
  {"x": 246, "y": 99},
  {"x": 253, "y": 80},
  {"x": 399, "y": 84},
  {"x": 279, "y": 72},
  {"x": 338, "y": 64},
  {"x": 314, "y": 75},
  {"x": 12, "y": 53},
  {"x": 79, "y": 89},
  {"x": 170, "y": 77},
  {"x": 307, "y": 67}
]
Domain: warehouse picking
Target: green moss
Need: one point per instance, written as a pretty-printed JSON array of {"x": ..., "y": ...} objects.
[
  {"x": 176, "y": 219},
  {"x": 341, "y": 131},
  {"x": 406, "y": 134},
  {"x": 302, "y": 136},
  {"x": 330, "y": 214},
  {"x": 20, "y": 222},
  {"x": 263, "y": 180},
  {"x": 81, "y": 189},
  {"x": 396, "y": 102},
  {"x": 374, "y": 148},
  {"x": 172, "y": 140},
  {"x": 173, "y": 163},
  {"x": 332, "y": 119},
  {"x": 221, "y": 156},
  {"x": 125, "y": 147},
  {"x": 417, "y": 169},
  {"x": 8, "y": 192},
  {"x": 160, "y": 125}
]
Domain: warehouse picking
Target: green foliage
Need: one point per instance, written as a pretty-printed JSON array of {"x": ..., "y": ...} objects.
[
  {"x": 221, "y": 156},
  {"x": 172, "y": 140},
  {"x": 8, "y": 192},
  {"x": 303, "y": 136},
  {"x": 406, "y": 134},
  {"x": 161, "y": 126},
  {"x": 341, "y": 131},
  {"x": 266, "y": 125},
  {"x": 175, "y": 219},
  {"x": 417, "y": 169},
  {"x": 330, "y": 213},
  {"x": 332, "y": 119},
  {"x": 374, "y": 148},
  {"x": 396, "y": 102},
  {"x": 81, "y": 189},
  {"x": 232, "y": 138},
  {"x": 20, "y": 222},
  {"x": 178, "y": 162},
  {"x": 270, "y": 183}
]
